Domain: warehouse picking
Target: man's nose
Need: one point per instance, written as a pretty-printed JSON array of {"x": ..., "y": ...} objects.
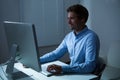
[{"x": 69, "y": 21}]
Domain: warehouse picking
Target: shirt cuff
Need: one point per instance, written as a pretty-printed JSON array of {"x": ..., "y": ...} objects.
[{"x": 66, "y": 68}]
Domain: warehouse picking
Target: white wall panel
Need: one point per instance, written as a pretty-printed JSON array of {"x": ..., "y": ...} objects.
[{"x": 47, "y": 15}]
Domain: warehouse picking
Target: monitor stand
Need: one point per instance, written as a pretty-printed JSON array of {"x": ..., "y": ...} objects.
[
  {"x": 10, "y": 65},
  {"x": 13, "y": 74}
]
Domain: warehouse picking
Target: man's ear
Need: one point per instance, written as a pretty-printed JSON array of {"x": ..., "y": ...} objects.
[{"x": 83, "y": 20}]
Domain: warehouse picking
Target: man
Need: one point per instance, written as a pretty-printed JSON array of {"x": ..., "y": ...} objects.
[{"x": 81, "y": 43}]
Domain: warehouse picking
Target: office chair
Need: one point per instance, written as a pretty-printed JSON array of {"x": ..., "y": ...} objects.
[
  {"x": 112, "y": 69},
  {"x": 99, "y": 68}
]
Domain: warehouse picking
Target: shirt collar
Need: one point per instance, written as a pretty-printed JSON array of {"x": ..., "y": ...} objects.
[{"x": 81, "y": 32}]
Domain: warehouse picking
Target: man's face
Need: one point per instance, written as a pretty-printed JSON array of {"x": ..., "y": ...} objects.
[{"x": 73, "y": 21}]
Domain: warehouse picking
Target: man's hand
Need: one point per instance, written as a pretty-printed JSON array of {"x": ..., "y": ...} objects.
[{"x": 56, "y": 69}]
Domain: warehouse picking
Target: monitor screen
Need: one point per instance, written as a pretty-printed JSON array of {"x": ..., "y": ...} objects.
[{"x": 24, "y": 36}]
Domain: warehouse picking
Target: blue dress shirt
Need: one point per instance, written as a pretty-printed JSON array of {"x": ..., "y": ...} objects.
[{"x": 83, "y": 50}]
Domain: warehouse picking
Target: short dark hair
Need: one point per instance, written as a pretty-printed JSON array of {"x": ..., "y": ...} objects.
[{"x": 80, "y": 10}]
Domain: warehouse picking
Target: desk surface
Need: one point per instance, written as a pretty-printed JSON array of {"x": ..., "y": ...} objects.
[
  {"x": 38, "y": 76},
  {"x": 34, "y": 75}
]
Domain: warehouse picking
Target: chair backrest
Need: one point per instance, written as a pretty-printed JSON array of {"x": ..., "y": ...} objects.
[
  {"x": 100, "y": 67},
  {"x": 113, "y": 58}
]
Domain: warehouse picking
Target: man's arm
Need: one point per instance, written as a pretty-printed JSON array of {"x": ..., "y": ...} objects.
[{"x": 54, "y": 55}]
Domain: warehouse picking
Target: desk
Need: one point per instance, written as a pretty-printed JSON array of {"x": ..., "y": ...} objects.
[{"x": 38, "y": 76}]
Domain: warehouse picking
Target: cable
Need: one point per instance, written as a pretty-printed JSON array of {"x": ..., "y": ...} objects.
[
  {"x": 1, "y": 77},
  {"x": 2, "y": 72}
]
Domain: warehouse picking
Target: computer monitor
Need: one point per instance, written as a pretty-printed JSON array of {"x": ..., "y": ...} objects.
[{"x": 24, "y": 36}]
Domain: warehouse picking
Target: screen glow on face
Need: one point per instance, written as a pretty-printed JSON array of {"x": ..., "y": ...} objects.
[{"x": 73, "y": 20}]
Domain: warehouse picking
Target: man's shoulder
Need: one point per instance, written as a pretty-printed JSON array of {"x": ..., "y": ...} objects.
[{"x": 91, "y": 33}]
